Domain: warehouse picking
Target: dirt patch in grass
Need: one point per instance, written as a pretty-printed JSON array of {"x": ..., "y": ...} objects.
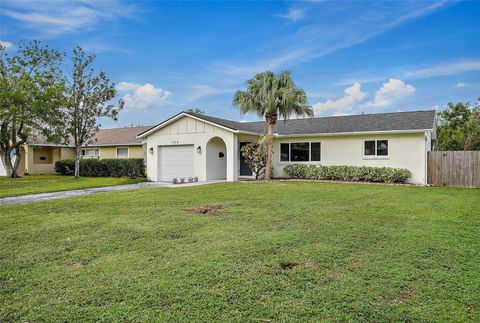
[
  {"x": 311, "y": 265},
  {"x": 287, "y": 265},
  {"x": 404, "y": 296},
  {"x": 207, "y": 209},
  {"x": 76, "y": 265}
]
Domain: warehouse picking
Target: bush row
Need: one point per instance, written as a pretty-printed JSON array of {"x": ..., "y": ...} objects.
[
  {"x": 348, "y": 173},
  {"x": 132, "y": 167}
]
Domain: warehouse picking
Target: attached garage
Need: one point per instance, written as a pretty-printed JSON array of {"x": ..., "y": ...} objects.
[
  {"x": 175, "y": 161},
  {"x": 190, "y": 145}
]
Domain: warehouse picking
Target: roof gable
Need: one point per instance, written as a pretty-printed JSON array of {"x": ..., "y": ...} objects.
[{"x": 228, "y": 125}]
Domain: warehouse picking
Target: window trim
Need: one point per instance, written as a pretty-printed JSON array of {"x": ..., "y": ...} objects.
[
  {"x": 116, "y": 152},
  {"x": 290, "y": 152},
  {"x": 376, "y": 156},
  {"x": 85, "y": 156}
]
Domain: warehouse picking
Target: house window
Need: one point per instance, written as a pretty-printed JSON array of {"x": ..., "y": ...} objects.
[
  {"x": 122, "y": 152},
  {"x": 375, "y": 148},
  {"x": 91, "y": 153},
  {"x": 284, "y": 152},
  {"x": 299, "y": 152},
  {"x": 315, "y": 151}
]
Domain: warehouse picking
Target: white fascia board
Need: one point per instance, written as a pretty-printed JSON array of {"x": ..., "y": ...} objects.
[{"x": 354, "y": 133}]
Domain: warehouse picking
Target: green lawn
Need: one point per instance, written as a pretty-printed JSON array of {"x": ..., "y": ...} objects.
[
  {"x": 280, "y": 251},
  {"x": 51, "y": 183}
]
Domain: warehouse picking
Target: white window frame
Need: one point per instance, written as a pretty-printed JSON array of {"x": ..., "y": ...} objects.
[
  {"x": 290, "y": 152},
  {"x": 85, "y": 156},
  {"x": 375, "y": 156},
  {"x": 116, "y": 152}
]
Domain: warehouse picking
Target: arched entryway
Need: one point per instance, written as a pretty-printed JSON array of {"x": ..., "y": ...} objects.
[{"x": 216, "y": 159}]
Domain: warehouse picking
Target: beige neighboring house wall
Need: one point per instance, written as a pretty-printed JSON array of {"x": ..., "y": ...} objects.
[
  {"x": 111, "y": 152},
  {"x": 41, "y": 159},
  {"x": 40, "y": 156},
  {"x": 348, "y": 150}
]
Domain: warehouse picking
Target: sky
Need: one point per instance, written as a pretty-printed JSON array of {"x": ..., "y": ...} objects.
[{"x": 350, "y": 57}]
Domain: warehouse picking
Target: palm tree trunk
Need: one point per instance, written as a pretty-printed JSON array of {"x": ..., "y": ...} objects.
[{"x": 268, "y": 164}]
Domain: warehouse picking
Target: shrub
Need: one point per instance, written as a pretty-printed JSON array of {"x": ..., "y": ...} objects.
[
  {"x": 255, "y": 155},
  {"x": 133, "y": 167},
  {"x": 348, "y": 173}
]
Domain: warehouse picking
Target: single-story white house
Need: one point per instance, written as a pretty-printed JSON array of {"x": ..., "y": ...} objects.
[{"x": 189, "y": 144}]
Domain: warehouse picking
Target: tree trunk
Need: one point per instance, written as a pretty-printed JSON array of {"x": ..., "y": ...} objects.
[
  {"x": 78, "y": 155},
  {"x": 7, "y": 162},
  {"x": 268, "y": 164},
  {"x": 18, "y": 159}
]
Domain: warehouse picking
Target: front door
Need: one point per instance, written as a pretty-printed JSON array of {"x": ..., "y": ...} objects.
[{"x": 244, "y": 168}]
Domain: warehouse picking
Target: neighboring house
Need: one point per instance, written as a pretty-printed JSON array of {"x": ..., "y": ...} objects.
[
  {"x": 40, "y": 156},
  {"x": 189, "y": 144}
]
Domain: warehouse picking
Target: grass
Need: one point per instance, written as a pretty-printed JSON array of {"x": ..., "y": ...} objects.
[
  {"x": 52, "y": 183},
  {"x": 279, "y": 251}
]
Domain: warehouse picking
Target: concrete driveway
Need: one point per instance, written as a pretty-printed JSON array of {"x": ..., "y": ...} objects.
[{"x": 89, "y": 191}]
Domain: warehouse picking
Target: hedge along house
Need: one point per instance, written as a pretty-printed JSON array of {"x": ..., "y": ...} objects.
[
  {"x": 40, "y": 156},
  {"x": 189, "y": 144}
]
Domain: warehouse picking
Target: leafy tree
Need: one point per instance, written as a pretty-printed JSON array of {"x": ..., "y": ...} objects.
[
  {"x": 31, "y": 98},
  {"x": 255, "y": 156},
  {"x": 271, "y": 96},
  {"x": 195, "y": 110},
  {"x": 89, "y": 98},
  {"x": 459, "y": 127}
]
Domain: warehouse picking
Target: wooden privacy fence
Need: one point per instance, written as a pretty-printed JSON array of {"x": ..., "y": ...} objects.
[{"x": 454, "y": 168}]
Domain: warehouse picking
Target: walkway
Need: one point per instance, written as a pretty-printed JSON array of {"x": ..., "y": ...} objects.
[{"x": 89, "y": 191}]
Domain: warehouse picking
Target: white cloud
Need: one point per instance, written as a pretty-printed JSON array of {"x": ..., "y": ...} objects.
[
  {"x": 142, "y": 96},
  {"x": 347, "y": 103},
  {"x": 6, "y": 44},
  {"x": 293, "y": 14},
  {"x": 51, "y": 19},
  {"x": 444, "y": 69},
  {"x": 354, "y": 98},
  {"x": 391, "y": 92}
]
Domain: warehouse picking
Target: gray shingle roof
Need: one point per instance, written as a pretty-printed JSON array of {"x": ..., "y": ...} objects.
[
  {"x": 104, "y": 137},
  {"x": 396, "y": 121}
]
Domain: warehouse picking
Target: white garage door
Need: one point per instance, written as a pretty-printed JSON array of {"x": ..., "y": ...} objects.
[
  {"x": 175, "y": 161},
  {"x": 2, "y": 169}
]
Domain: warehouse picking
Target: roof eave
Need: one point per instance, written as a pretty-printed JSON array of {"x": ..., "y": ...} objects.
[{"x": 353, "y": 133}]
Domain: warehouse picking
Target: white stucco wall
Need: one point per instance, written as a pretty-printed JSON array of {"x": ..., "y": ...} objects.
[
  {"x": 405, "y": 151},
  {"x": 216, "y": 166},
  {"x": 190, "y": 131}
]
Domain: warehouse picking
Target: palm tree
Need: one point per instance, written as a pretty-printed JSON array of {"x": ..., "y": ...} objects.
[{"x": 272, "y": 96}]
